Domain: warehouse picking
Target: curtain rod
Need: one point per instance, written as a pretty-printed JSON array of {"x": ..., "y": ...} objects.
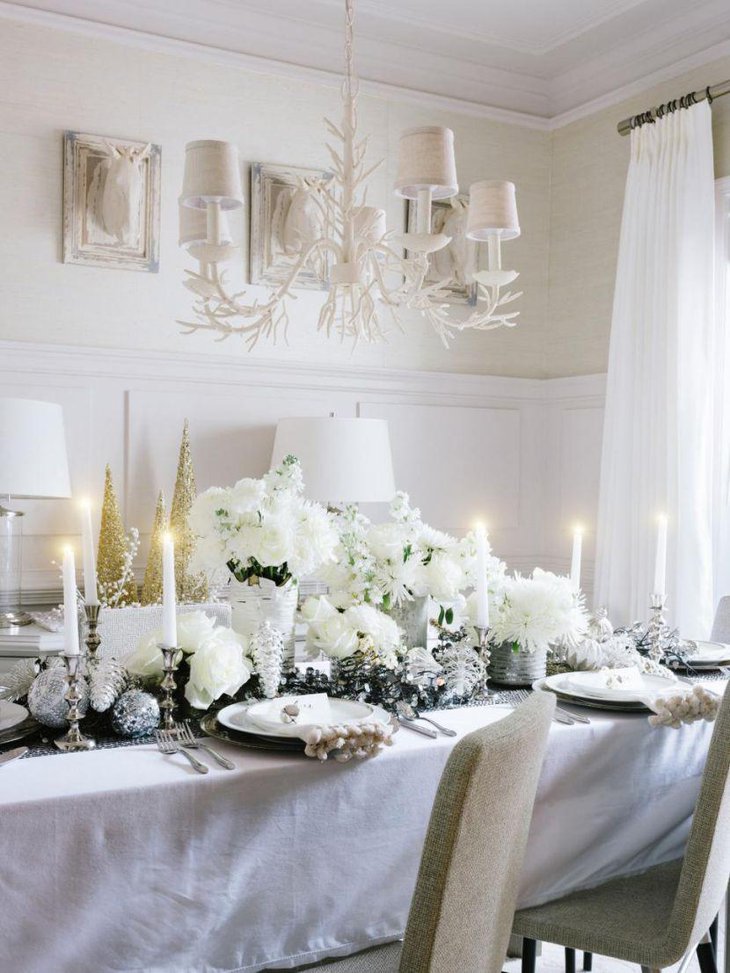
[{"x": 705, "y": 94}]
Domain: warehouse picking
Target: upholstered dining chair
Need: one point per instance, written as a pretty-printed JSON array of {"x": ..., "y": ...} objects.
[
  {"x": 659, "y": 917},
  {"x": 462, "y": 909},
  {"x": 721, "y": 625}
]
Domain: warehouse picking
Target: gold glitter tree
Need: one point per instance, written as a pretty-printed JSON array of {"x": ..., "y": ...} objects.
[
  {"x": 152, "y": 584},
  {"x": 117, "y": 586},
  {"x": 190, "y": 588}
]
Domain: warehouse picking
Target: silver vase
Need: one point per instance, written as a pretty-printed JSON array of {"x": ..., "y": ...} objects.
[
  {"x": 412, "y": 619},
  {"x": 521, "y": 668}
]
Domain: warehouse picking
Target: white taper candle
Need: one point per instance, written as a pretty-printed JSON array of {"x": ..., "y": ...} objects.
[
  {"x": 169, "y": 619},
  {"x": 482, "y": 614},
  {"x": 91, "y": 596},
  {"x": 660, "y": 563},
  {"x": 70, "y": 607},
  {"x": 575, "y": 562}
]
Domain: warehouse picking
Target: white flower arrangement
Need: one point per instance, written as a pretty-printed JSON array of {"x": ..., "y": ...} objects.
[
  {"x": 340, "y": 633},
  {"x": 401, "y": 559},
  {"x": 218, "y": 658},
  {"x": 262, "y": 529},
  {"x": 536, "y": 612}
]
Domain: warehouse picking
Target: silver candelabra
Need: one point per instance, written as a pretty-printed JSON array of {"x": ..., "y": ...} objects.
[
  {"x": 92, "y": 639},
  {"x": 74, "y": 739},
  {"x": 657, "y": 630},
  {"x": 170, "y": 657}
]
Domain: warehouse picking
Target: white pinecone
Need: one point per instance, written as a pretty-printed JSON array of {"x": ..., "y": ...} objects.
[
  {"x": 107, "y": 680},
  {"x": 267, "y": 648}
]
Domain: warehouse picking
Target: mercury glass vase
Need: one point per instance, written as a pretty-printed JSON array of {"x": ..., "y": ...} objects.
[
  {"x": 253, "y": 604},
  {"x": 520, "y": 668},
  {"x": 412, "y": 619}
]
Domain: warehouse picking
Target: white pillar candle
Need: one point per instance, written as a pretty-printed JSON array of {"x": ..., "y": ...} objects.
[
  {"x": 87, "y": 549},
  {"x": 70, "y": 608},
  {"x": 482, "y": 614},
  {"x": 575, "y": 561},
  {"x": 660, "y": 563},
  {"x": 169, "y": 620}
]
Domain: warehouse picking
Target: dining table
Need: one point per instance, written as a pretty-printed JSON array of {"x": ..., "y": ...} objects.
[{"x": 126, "y": 860}]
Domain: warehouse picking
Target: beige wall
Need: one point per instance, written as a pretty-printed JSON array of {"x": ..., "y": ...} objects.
[
  {"x": 588, "y": 173},
  {"x": 52, "y": 80}
]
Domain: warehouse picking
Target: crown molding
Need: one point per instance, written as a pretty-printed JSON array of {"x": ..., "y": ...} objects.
[
  {"x": 523, "y": 86},
  {"x": 262, "y": 65},
  {"x": 644, "y": 84}
]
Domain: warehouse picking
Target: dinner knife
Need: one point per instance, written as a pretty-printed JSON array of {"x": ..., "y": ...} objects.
[{"x": 9, "y": 755}]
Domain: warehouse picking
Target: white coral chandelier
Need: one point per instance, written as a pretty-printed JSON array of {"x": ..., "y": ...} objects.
[{"x": 370, "y": 278}]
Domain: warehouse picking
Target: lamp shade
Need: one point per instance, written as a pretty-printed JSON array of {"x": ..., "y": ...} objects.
[
  {"x": 33, "y": 460},
  {"x": 212, "y": 175},
  {"x": 492, "y": 209},
  {"x": 426, "y": 161},
  {"x": 343, "y": 460}
]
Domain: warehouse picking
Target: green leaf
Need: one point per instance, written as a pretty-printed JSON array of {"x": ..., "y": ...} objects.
[{"x": 449, "y": 616}]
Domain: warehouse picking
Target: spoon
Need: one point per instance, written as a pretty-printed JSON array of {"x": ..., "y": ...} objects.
[{"x": 408, "y": 712}]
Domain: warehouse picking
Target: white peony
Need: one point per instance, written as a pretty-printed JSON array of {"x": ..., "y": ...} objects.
[{"x": 217, "y": 668}]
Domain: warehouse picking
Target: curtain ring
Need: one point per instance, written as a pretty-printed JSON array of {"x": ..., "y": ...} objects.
[{"x": 709, "y": 97}]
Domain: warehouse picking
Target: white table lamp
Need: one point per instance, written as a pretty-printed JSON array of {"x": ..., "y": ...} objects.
[
  {"x": 343, "y": 460},
  {"x": 33, "y": 465}
]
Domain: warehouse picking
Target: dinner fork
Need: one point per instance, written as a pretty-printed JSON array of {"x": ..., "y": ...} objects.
[
  {"x": 166, "y": 744},
  {"x": 186, "y": 738}
]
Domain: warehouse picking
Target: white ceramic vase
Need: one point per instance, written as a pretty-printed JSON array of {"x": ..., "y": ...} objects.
[{"x": 253, "y": 604}]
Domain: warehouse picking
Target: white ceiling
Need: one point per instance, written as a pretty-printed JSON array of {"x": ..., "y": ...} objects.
[{"x": 541, "y": 57}]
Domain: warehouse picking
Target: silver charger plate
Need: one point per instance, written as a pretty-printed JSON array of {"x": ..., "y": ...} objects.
[{"x": 607, "y": 706}]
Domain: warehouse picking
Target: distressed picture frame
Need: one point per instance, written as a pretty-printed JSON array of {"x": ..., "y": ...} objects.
[
  {"x": 284, "y": 218},
  {"x": 111, "y": 202},
  {"x": 458, "y": 258}
]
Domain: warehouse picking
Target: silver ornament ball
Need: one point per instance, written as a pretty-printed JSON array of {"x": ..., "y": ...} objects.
[
  {"x": 135, "y": 714},
  {"x": 47, "y": 697}
]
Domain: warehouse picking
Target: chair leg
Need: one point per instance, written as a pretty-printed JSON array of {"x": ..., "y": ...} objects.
[
  {"x": 569, "y": 960},
  {"x": 529, "y": 955},
  {"x": 587, "y": 962},
  {"x": 713, "y": 933},
  {"x": 706, "y": 956}
]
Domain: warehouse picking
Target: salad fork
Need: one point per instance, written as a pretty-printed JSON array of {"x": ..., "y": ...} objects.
[
  {"x": 167, "y": 744},
  {"x": 186, "y": 738}
]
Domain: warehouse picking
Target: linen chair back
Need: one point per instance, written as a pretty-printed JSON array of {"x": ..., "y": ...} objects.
[
  {"x": 721, "y": 624},
  {"x": 706, "y": 867},
  {"x": 464, "y": 903}
]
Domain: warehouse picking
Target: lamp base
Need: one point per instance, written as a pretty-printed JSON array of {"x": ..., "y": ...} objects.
[{"x": 13, "y": 617}]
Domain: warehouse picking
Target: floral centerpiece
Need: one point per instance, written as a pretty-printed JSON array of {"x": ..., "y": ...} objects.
[
  {"x": 263, "y": 535},
  {"x": 529, "y": 616},
  {"x": 399, "y": 564}
]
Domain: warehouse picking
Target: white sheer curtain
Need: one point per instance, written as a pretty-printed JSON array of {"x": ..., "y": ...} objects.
[{"x": 661, "y": 410}]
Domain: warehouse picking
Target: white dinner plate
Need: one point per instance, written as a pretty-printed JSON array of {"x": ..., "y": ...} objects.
[
  {"x": 567, "y": 685},
  {"x": 709, "y": 654},
  {"x": 11, "y": 714},
  {"x": 235, "y": 717}
]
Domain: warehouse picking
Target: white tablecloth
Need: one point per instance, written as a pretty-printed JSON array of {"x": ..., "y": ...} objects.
[{"x": 126, "y": 860}]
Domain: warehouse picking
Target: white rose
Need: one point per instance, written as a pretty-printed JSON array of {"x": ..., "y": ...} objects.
[
  {"x": 193, "y": 628},
  {"x": 146, "y": 660},
  {"x": 246, "y": 496},
  {"x": 217, "y": 668},
  {"x": 272, "y": 542},
  {"x": 315, "y": 610},
  {"x": 335, "y": 637}
]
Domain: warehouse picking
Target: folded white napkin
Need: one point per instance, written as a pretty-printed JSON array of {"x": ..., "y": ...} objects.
[
  {"x": 626, "y": 679},
  {"x": 314, "y": 710}
]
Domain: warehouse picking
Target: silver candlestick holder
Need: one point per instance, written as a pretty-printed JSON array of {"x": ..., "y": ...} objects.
[
  {"x": 482, "y": 648},
  {"x": 170, "y": 659},
  {"x": 92, "y": 640},
  {"x": 658, "y": 629},
  {"x": 74, "y": 739}
]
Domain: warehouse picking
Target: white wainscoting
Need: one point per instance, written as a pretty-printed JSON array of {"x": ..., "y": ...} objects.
[{"x": 521, "y": 454}]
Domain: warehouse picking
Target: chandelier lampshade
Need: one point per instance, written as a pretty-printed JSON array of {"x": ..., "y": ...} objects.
[
  {"x": 426, "y": 161},
  {"x": 212, "y": 175},
  {"x": 492, "y": 210}
]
